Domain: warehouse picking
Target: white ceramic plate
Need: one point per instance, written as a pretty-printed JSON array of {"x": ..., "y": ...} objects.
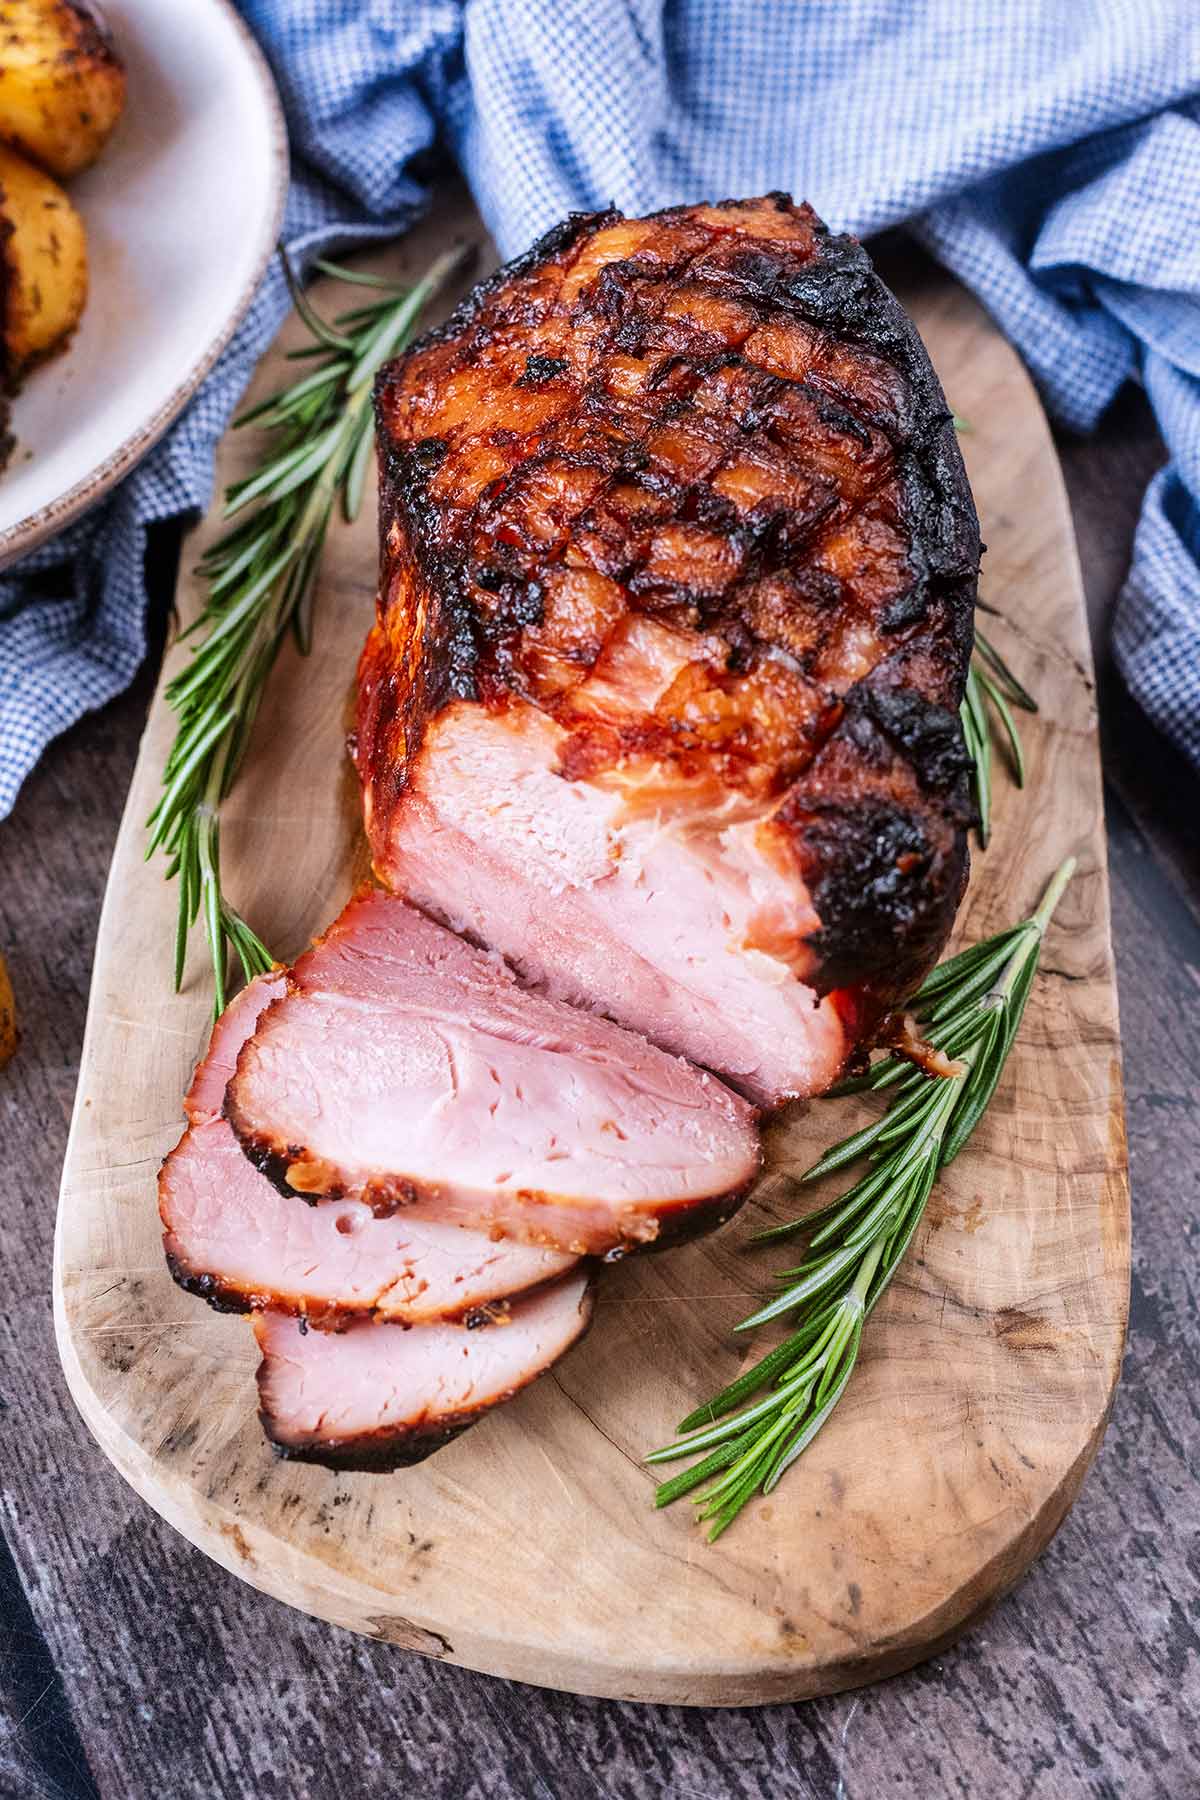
[{"x": 182, "y": 213}]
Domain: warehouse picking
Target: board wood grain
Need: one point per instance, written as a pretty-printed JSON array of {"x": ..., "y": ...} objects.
[{"x": 530, "y": 1548}]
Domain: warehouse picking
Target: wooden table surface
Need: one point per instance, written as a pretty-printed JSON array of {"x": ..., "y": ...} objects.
[{"x": 131, "y": 1667}]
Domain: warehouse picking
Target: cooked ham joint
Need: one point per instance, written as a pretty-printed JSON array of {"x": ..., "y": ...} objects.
[
  {"x": 679, "y": 563},
  {"x": 407, "y": 1069},
  {"x": 377, "y": 1397}
]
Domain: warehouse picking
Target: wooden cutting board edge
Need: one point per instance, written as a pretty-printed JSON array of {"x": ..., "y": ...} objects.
[
  {"x": 234, "y": 1538},
  {"x": 308, "y": 1584}
]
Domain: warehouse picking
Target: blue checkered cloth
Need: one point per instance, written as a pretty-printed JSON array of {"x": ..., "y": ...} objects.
[{"x": 1048, "y": 154}]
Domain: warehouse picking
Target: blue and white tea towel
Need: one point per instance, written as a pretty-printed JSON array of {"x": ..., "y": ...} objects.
[{"x": 1048, "y": 154}]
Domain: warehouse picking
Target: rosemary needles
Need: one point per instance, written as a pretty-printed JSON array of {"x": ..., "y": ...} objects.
[
  {"x": 990, "y": 679},
  {"x": 970, "y": 1010},
  {"x": 261, "y": 580}
]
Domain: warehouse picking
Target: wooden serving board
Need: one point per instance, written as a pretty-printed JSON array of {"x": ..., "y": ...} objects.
[{"x": 530, "y": 1548}]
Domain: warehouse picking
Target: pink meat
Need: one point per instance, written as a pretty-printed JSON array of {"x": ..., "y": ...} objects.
[
  {"x": 676, "y": 922},
  {"x": 376, "y": 1396},
  {"x": 404, "y": 1067},
  {"x": 236, "y": 1240},
  {"x": 206, "y": 1096}
]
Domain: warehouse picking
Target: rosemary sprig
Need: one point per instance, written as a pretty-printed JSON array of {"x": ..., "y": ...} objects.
[
  {"x": 261, "y": 579},
  {"x": 970, "y": 1009},
  {"x": 990, "y": 679}
]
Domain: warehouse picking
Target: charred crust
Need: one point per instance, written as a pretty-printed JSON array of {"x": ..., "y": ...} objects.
[
  {"x": 878, "y": 826},
  {"x": 900, "y": 722},
  {"x": 540, "y": 369},
  {"x": 478, "y": 1318},
  {"x": 226, "y": 1296},
  {"x": 569, "y": 234},
  {"x": 682, "y": 1224},
  {"x": 275, "y": 1161},
  {"x": 222, "y": 1296},
  {"x": 886, "y": 895},
  {"x": 272, "y": 1160},
  {"x": 379, "y": 1454},
  {"x": 229, "y": 1297}
]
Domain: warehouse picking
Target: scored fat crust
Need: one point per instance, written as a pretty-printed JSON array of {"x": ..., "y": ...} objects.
[{"x": 715, "y": 437}]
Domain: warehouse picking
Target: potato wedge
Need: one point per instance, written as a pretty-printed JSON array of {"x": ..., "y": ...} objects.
[
  {"x": 43, "y": 265},
  {"x": 62, "y": 86}
]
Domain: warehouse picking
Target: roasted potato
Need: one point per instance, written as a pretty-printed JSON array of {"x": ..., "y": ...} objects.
[
  {"x": 43, "y": 265},
  {"x": 62, "y": 86}
]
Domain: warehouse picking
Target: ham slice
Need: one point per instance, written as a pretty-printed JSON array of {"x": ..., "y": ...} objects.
[
  {"x": 378, "y": 1397},
  {"x": 242, "y": 1245},
  {"x": 405, "y": 1068},
  {"x": 205, "y": 1099}
]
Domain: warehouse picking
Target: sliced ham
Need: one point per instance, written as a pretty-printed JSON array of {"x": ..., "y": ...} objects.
[
  {"x": 405, "y": 1068},
  {"x": 233, "y": 1238},
  {"x": 377, "y": 1397},
  {"x": 205, "y": 1099}
]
